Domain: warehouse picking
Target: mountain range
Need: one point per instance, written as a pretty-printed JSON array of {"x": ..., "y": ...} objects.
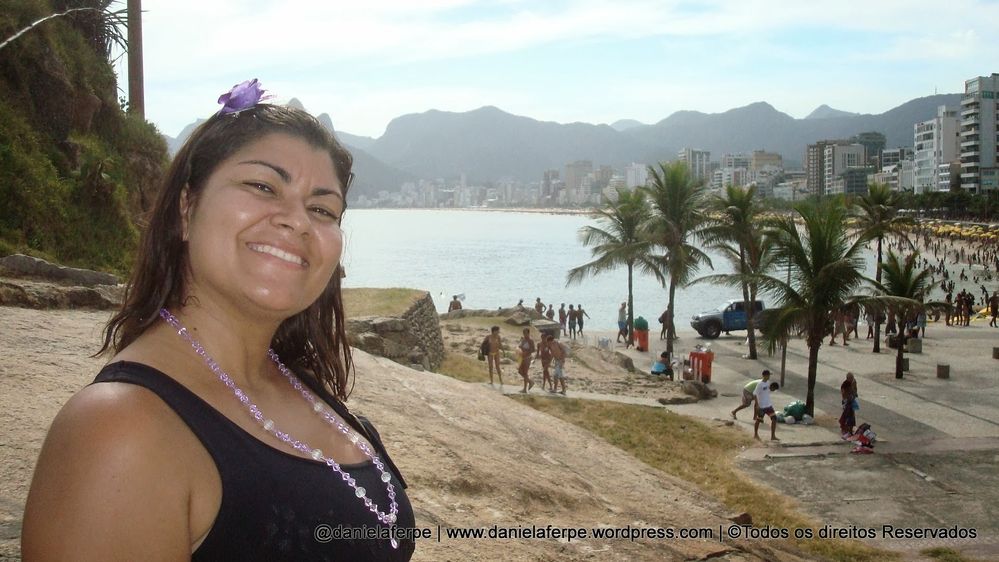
[{"x": 488, "y": 144}]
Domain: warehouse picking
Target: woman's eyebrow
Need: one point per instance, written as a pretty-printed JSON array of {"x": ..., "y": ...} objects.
[{"x": 280, "y": 171}]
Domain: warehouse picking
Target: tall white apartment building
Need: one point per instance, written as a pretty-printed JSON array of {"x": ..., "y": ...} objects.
[
  {"x": 979, "y": 134},
  {"x": 636, "y": 175},
  {"x": 739, "y": 160},
  {"x": 839, "y": 158},
  {"x": 935, "y": 142},
  {"x": 697, "y": 161}
]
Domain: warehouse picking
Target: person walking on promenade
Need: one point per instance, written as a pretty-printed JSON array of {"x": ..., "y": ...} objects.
[
  {"x": 580, "y": 313},
  {"x": 839, "y": 326},
  {"x": 562, "y": 316},
  {"x": 233, "y": 314},
  {"x": 560, "y": 352},
  {"x": 546, "y": 353},
  {"x": 748, "y": 396},
  {"x": 572, "y": 322},
  {"x": 455, "y": 304},
  {"x": 848, "y": 395},
  {"x": 622, "y": 322},
  {"x": 527, "y": 349},
  {"x": 765, "y": 407},
  {"x": 994, "y": 309},
  {"x": 550, "y": 313},
  {"x": 493, "y": 356}
]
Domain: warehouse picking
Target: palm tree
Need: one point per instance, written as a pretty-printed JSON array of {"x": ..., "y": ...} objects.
[
  {"x": 735, "y": 231},
  {"x": 678, "y": 205},
  {"x": 99, "y": 25},
  {"x": 876, "y": 214},
  {"x": 826, "y": 268},
  {"x": 909, "y": 287},
  {"x": 620, "y": 239}
]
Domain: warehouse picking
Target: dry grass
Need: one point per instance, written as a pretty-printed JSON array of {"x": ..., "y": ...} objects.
[
  {"x": 946, "y": 555},
  {"x": 379, "y": 302},
  {"x": 702, "y": 455},
  {"x": 464, "y": 368}
]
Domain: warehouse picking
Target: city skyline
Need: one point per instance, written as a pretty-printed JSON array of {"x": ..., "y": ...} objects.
[{"x": 591, "y": 61}]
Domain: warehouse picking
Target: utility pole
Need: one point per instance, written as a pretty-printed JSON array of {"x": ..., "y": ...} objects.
[{"x": 136, "y": 97}]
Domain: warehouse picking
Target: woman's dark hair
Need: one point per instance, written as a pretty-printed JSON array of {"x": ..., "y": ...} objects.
[{"x": 314, "y": 340}]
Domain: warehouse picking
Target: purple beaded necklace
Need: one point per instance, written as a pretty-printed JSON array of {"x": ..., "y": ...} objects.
[{"x": 387, "y": 518}]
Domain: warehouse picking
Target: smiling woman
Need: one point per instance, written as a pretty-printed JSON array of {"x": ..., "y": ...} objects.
[{"x": 196, "y": 440}]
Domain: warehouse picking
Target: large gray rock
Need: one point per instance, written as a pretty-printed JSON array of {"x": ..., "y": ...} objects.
[
  {"x": 40, "y": 295},
  {"x": 21, "y": 265}
]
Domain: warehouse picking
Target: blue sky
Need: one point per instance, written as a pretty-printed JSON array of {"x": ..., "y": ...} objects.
[{"x": 595, "y": 61}]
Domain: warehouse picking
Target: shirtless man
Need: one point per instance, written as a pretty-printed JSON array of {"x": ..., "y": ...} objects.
[
  {"x": 495, "y": 345},
  {"x": 546, "y": 353},
  {"x": 562, "y": 318},
  {"x": 527, "y": 349},
  {"x": 539, "y": 306},
  {"x": 559, "y": 355},
  {"x": 455, "y": 304},
  {"x": 580, "y": 313}
]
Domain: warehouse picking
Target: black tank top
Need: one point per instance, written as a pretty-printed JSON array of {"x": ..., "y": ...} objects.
[{"x": 273, "y": 501}]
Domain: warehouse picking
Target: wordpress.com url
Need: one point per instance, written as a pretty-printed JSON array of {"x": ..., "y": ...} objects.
[{"x": 326, "y": 533}]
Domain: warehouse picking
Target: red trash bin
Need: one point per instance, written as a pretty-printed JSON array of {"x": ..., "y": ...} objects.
[
  {"x": 700, "y": 365},
  {"x": 642, "y": 340}
]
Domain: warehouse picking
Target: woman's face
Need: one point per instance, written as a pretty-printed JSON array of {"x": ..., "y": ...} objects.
[{"x": 264, "y": 234}]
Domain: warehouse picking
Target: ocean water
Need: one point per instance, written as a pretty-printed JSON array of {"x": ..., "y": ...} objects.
[{"x": 498, "y": 258}]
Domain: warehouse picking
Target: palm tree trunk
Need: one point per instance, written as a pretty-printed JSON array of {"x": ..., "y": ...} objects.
[
  {"x": 670, "y": 328},
  {"x": 877, "y": 322},
  {"x": 631, "y": 308},
  {"x": 813, "y": 364},
  {"x": 136, "y": 96},
  {"x": 748, "y": 304},
  {"x": 899, "y": 355}
]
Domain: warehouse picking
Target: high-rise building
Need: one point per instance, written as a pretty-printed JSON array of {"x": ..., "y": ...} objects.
[
  {"x": 815, "y": 165},
  {"x": 636, "y": 175},
  {"x": 697, "y": 161},
  {"x": 575, "y": 172},
  {"x": 979, "y": 133},
  {"x": 548, "y": 182},
  {"x": 874, "y": 142},
  {"x": 735, "y": 161},
  {"x": 935, "y": 142},
  {"x": 840, "y": 157},
  {"x": 892, "y": 156},
  {"x": 762, "y": 159}
]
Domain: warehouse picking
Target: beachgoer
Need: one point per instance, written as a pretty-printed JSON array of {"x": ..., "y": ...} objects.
[
  {"x": 539, "y": 306},
  {"x": 662, "y": 320},
  {"x": 550, "y": 313},
  {"x": 562, "y": 316},
  {"x": 545, "y": 353},
  {"x": 747, "y": 393},
  {"x": 848, "y": 396},
  {"x": 573, "y": 318},
  {"x": 495, "y": 345},
  {"x": 994, "y": 309},
  {"x": 622, "y": 322},
  {"x": 580, "y": 313},
  {"x": 455, "y": 304},
  {"x": 560, "y": 352},
  {"x": 765, "y": 407},
  {"x": 520, "y": 305},
  {"x": 233, "y": 315},
  {"x": 839, "y": 326},
  {"x": 527, "y": 349},
  {"x": 662, "y": 366}
]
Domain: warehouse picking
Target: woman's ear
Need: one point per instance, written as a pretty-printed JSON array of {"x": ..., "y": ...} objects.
[{"x": 185, "y": 212}]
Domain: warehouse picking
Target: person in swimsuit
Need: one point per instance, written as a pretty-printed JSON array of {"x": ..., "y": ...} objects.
[
  {"x": 218, "y": 429},
  {"x": 562, "y": 316},
  {"x": 580, "y": 313},
  {"x": 493, "y": 357},
  {"x": 455, "y": 304},
  {"x": 527, "y": 349},
  {"x": 572, "y": 322},
  {"x": 545, "y": 353}
]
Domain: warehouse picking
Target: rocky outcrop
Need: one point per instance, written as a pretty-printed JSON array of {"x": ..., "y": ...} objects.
[
  {"x": 42, "y": 295},
  {"x": 19, "y": 265},
  {"x": 414, "y": 339}
]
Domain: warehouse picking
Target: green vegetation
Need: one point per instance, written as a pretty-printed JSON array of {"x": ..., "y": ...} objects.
[
  {"x": 76, "y": 172},
  {"x": 707, "y": 460},
  {"x": 464, "y": 368},
  {"x": 621, "y": 239},
  {"x": 379, "y": 302}
]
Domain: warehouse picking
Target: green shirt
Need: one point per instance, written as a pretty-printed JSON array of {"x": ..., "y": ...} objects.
[{"x": 751, "y": 386}]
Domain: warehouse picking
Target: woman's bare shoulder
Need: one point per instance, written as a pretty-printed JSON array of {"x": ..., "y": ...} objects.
[{"x": 110, "y": 479}]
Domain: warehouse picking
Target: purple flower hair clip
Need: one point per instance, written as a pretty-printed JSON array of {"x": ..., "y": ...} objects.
[{"x": 241, "y": 97}]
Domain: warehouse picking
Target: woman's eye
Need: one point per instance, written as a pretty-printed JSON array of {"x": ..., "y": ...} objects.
[
  {"x": 325, "y": 212},
  {"x": 260, "y": 187}
]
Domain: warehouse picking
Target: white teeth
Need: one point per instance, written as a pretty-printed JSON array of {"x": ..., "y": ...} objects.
[{"x": 281, "y": 254}]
